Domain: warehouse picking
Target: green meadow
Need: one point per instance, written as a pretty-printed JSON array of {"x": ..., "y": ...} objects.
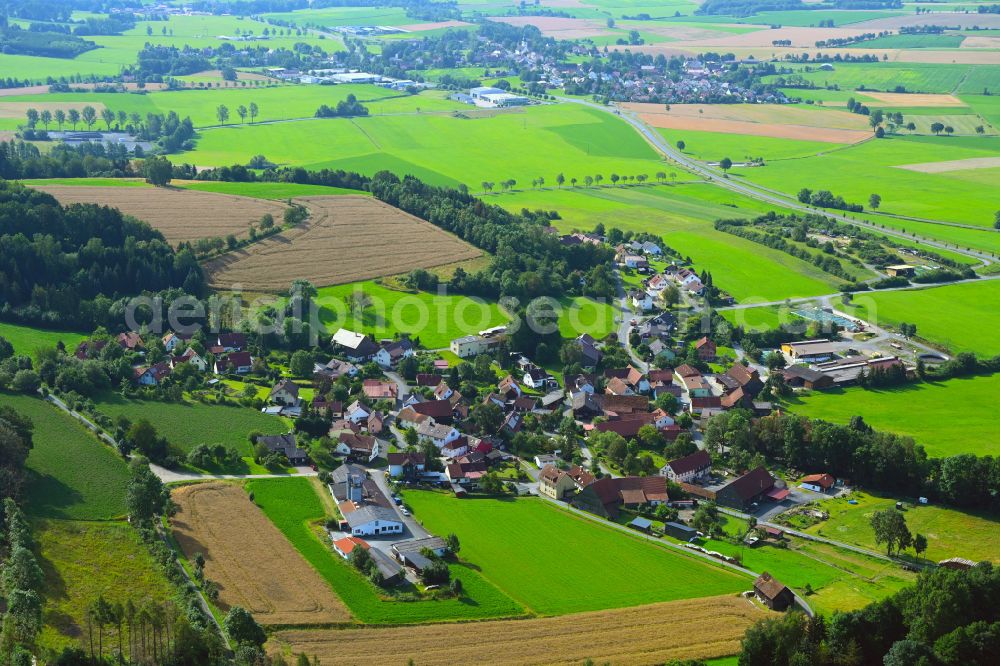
[
  {"x": 27, "y": 339},
  {"x": 683, "y": 215},
  {"x": 949, "y": 532},
  {"x": 948, "y": 41},
  {"x": 296, "y": 510},
  {"x": 947, "y": 417},
  {"x": 873, "y": 166},
  {"x": 72, "y": 474},
  {"x": 263, "y": 190},
  {"x": 713, "y": 146},
  {"x": 915, "y": 77},
  {"x": 445, "y": 149},
  {"x": 959, "y": 317},
  {"x": 517, "y": 554},
  {"x": 435, "y": 320}
]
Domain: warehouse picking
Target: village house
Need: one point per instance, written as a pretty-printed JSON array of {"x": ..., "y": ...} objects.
[
  {"x": 590, "y": 355},
  {"x": 151, "y": 375},
  {"x": 239, "y": 363},
  {"x": 172, "y": 340},
  {"x": 428, "y": 379},
  {"x": 508, "y": 388},
  {"x": 373, "y": 520},
  {"x": 130, "y": 341},
  {"x": 772, "y": 593},
  {"x": 555, "y": 483},
  {"x": 335, "y": 369},
  {"x": 346, "y": 546},
  {"x": 189, "y": 356},
  {"x": 635, "y": 261},
  {"x": 440, "y": 435},
  {"x": 689, "y": 468},
  {"x": 390, "y": 353},
  {"x": 466, "y": 474},
  {"x": 356, "y": 412},
  {"x": 743, "y": 377},
  {"x": 536, "y": 377},
  {"x": 375, "y": 423},
  {"x": 362, "y": 447},
  {"x": 285, "y": 445},
  {"x": 285, "y": 392},
  {"x": 231, "y": 342},
  {"x": 705, "y": 349},
  {"x": 358, "y": 348},
  {"x": 582, "y": 382},
  {"x": 441, "y": 411},
  {"x": 604, "y": 497},
  {"x": 377, "y": 389},
  {"x": 752, "y": 487},
  {"x": 406, "y": 465},
  {"x": 818, "y": 483},
  {"x": 641, "y": 300}
]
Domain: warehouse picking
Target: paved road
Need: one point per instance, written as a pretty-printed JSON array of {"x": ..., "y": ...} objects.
[
  {"x": 172, "y": 476},
  {"x": 755, "y": 191}
]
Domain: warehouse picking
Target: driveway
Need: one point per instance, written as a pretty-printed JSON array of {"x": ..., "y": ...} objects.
[{"x": 414, "y": 530}]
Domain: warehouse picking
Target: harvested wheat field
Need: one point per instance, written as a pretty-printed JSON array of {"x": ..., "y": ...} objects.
[
  {"x": 180, "y": 215},
  {"x": 248, "y": 557},
  {"x": 780, "y": 121},
  {"x": 559, "y": 27},
  {"x": 712, "y": 627},
  {"x": 915, "y": 99},
  {"x": 953, "y": 165},
  {"x": 346, "y": 239}
]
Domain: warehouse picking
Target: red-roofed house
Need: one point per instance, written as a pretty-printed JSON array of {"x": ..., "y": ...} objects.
[{"x": 819, "y": 483}]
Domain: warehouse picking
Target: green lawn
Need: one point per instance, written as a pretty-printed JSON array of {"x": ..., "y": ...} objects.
[
  {"x": 84, "y": 560},
  {"x": 72, "y": 475},
  {"x": 187, "y": 425},
  {"x": 947, "y": 418},
  {"x": 581, "y": 314},
  {"x": 293, "y": 506},
  {"x": 27, "y": 339},
  {"x": 554, "y": 562},
  {"x": 433, "y": 319},
  {"x": 539, "y": 141},
  {"x": 949, "y": 532},
  {"x": 765, "y": 317},
  {"x": 960, "y": 317}
]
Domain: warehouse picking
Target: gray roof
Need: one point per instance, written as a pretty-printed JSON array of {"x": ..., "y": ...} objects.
[
  {"x": 369, "y": 512},
  {"x": 415, "y": 545},
  {"x": 387, "y": 566}
]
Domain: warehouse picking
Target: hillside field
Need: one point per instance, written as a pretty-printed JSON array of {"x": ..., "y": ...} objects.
[
  {"x": 516, "y": 554},
  {"x": 949, "y": 532},
  {"x": 947, "y": 418},
  {"x": 959, "y": 317},
  {"x": 72, "y": 474},
  {"x": 26, "y": 339},
  {"x": 83, "y": 560},
  {"x": 295, "y": 509}
]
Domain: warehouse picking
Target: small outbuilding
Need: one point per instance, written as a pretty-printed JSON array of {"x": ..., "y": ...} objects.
[{"x": 773, "y": 593}]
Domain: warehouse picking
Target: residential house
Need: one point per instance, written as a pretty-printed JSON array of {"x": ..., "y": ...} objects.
[
  {"x": 636, "y": 261},
  {"x": 652, "y": 248},
  {"x": 590, "y": 355},
  {"x": 345, "y": 546},
  {"x": 818, "y": 483},
  {"x": 543, "y": 459},
  {"x": 362, "y": 447},
  {"x": 741, "y": 376},
  {"x": 440, "y": 411},
  {"x": 628, "y": 425},
  {"x": 512, "y": 423},
  {"x": 428, "y": 379},
  {"x": 604, "y": 497},
  {"x": 377, "y": 389},
  {"x": 286, "y": 445},
  {"x": 285, "y": 392},
  {"x": 456, "y": 448},
  {"x": 375, "y": 423},
  {"x": 466, "y": 474},
  {"x": 406, "y": 465},
  {"x": 130, "y": 341},
  {"x": 661, "y": 381},
  {"x": 333, "y": 409},
  {"x": 438, "y": 434},
  {"x": 231, "y": 342},
  {"x": 689, "y": 468},
  {"x": 536, "y": 377},
  {"x": 508, "y": 388},
  {"x": 336, "y": 369},
  {"x": 357, "y": 412},
  {"x": 740, "y": 493},
  {"x": 582, "y": 382},
  {"x": 442, "y": 391},
  {"x": 409, "y": 418},
  {"x": 705, "y": 349},
  {"x": 189, "y": 356},
  {"x": 172, "y": 340},
  {"x": 151, "y": 375},
  {"x": 686, "y": 370},
  {"x": 581, "y": 477},
  {"x": 358, "y": 348},
  {"x": 696, "y": 386},
  {"x": 772, "y": 593},
  {"x": 614, "y": 406},
  {"x": 641, "y": 300},
  {"x": 524, "y": 404},
  {"x": 617, "y": 386},
  {"x": 735, "y": 399},
  {"x": 585, "y": 405},
  {"x": 473, "y": 345},
  {"x": 555, "y": 483},
  {"x": 391, "y": 352},
  {"x": 239, "y": 363},
  {"x": 410, "y": 552},
  {"x": 662, "y": 419}
]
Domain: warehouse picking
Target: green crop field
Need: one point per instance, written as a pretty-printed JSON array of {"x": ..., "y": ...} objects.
[
  {"x": 338, "y": 16},
  {"x": 683, "y": 216},
  {"x": 293, "y": 506},
  {"x": 85, "y": 560},
  {"x": 433, "y": 319},
  {"x": 960, "y": 317},
  {"x": 513, "y": 543},
  {"x": 915, "y": 77},
  {"x": 263, "y": 190},
  {"x": 949, "y": 532},
  {"x": 947, "y": 418},
  {"x": 713, "y": 146},
  {"x": 72, "y": 475},
  {"x": 445, "y": 149},
  {"x": 765, "y": 317},
  {"x": 186, "y": 425},
  {"x": 873, "y": 166},
  {"x": 949, "y": 41},
  {"x": 26, "y": 339}
]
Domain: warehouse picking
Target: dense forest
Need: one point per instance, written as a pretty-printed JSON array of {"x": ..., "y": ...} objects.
[
  {"x": 66, "y": 266},
  {"x": 949, "y": 618}
]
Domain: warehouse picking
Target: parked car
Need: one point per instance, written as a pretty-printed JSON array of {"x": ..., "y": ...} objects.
[{"x": 405, "y": 511}]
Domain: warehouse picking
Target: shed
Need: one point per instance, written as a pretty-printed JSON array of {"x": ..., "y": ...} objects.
[
  {"x": 774, "y": 594},
  {"x": 680, "y": 531},
  {"x": 641, "y": 524}
]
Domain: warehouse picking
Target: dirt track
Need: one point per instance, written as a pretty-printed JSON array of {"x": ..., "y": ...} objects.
[
  {"x": 253, "y": 563},
  {"x": 696, "y": 628},
  {"x": 346, "y": 239}
]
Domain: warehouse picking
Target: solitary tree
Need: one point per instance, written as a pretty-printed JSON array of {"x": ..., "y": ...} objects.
[
  {"x": 560, "y": 179},
  {"x": 158, "y": 170},
  {"x": 241, "y": 111},
  {"x": 253, "y": 110},
  {"x": 874, "y": 201},
  {"x": 890, "y": 529},
  {"x": 919, "y": 544},
  {"x": 725, "y": 164},
  {"x": 89, "y": 116},
  {"x": 222, "y": 113},
  {"x": 681, "y": 146}
]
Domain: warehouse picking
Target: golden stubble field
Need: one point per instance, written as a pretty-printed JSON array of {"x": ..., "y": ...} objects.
[
  {"x": 346, "y": 239},
  {"x": 653, "y": 634},
  {"x": 180, "y": 215},
  {"x": 248, "y": 557}
]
